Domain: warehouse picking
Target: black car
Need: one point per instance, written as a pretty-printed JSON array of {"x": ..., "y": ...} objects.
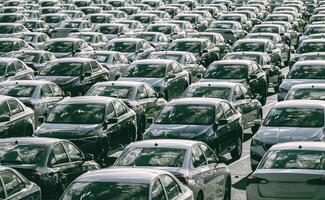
[
  {"x": 230, "y": 30},
  {"x": 213, "y": 121},
  {"x": 74, "y": 75},
  {"x": 97, "y": 125},
  {"x": 240, "y": 71},
  {"x": 50, "y": 163},
  {"x": 14, "y": 186},
  {"x": 139, "y": 96},
  {"x": 15, "y": 118}
]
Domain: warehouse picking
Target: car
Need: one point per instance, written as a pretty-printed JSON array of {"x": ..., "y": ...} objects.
[
  {"x": 53, "y": 20},
  {"x": 69, "y": 26},
  {"x": 15, "y": 185},
  {"x": 50, "y": 163},
  {"x": 273, "y": 72},
  {"x": 230, "y": 30},
  {"x": 310, "y": 71},
  {"x": 144, "y": 18},
  {"x": 13, "y": 44},
  {"x": 312, "y": 56},
  {"x": 203, "y": 49},
  {"x": 139, "y": 96},
  {"x": 35, "y": 59},
  {"x": 14, "y": 69},
  {"x": 240, "y": 71},
  {"x": 132, "y": 48},
  {"x": 312, "y": 29},
  {"x": 41, "y": 96},
  {"x": 111, "y": 30},
  {"x": 190, "y": 162},
  {"x": 212, "y": 121},
  {"x": 196, "y": 20},
  {"x": 156, "y": 39},
  {"x": 74, "y": 75},
  {"x": 295, "y": 168},
  {"x": 100, "y": 18},
  {"x": 35, "y": 25},
  {"x": 10, "y": 30},
  {"x": 94, "y": 39},
  {"x": 237, "y": 94},
  {"x": 165, "y": 76},
  {"x": 162, "y": 184},
  {"x": 16, "y": 119},
  {"x": 307, "y": 91},
  {"x": 241, "y": 18},
  {"x": 308, "y": 46},
  {"x": 34, "y": 39},
  {"x": 12, "y": 17},
  {"x": 172, "y": 31},
  {"x": 97, "y": 125},
  {"x": 66, "y": 47},
  {"x": 282, "y": 125}
]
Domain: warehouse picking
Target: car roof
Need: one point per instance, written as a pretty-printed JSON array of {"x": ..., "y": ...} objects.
[
  {"x": 87, "y": 100},
  {"x": 300, "y": 104},
  {"x": 200, "y": 101},
  {"x": 215, "y": 84},
  {"x": 322, "y": 40},
  {"x": 26, "y": 82},
  {"x": 165, "y": 143},
  {"x": 121, "y": 83},
  {"x": 233, "y": 61},
  {"x": 72, "y": 59},
  {"x": 309, "y": 85},
  {"x": 32, "y": 140},
  {"x": 247, "y": 53},
  {"x": 128, "y": 174},
  {"x": 253, "y": 40},
  {"x": 7, "y": 60},
  {"x": 301, "y": 145},
  {"x": 3, "y": 98},
  {"x": 190, "y": 40},
  {"x": 171, "y": 52},
  {"x": 313, "y": 53},
  {"x": 65, "y": 39},
  {"x": 154, "y": 61},
  {"x": 126, "y": 40},
  {"x": 311, "y": 62}
]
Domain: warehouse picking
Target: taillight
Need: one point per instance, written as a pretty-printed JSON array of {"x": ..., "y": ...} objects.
[{"x": 256, "y": 180}]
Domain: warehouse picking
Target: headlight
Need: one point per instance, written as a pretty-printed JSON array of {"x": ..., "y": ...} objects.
[{"x": 256, "y": 142}]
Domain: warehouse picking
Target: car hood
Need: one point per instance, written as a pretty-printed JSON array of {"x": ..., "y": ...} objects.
[
  {"x": 60, "y": 80},
  {"x": 151, "y": 81},
  {"x": 288, "y": 83},
  {"x": 223, "y": 80},
  {"x": 273, "y": 135},
  {"x": 66, "y": 131},
  {"x": 178, "y": 131}
]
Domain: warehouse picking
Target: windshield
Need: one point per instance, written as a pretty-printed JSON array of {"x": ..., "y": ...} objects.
[
  {"x": 176, "y": 57},
  {"x": 265, "y": 29},
  {"x": 106, "y": 190},
  {"x": 307, "y": 72},
  {"x": 124, "y": 46},
  {"x": 162, "y": 29},
  {"x": 77, "y": 114},
  {"x": 153, "y": 157},
  {"x": 187, "y": 18},
  {"x": 307, "y": 93},
  {"x": 3, "y": 67},
  {"x": 295, "y": 117},
  {"x": 146, "y": 70},
  {"x": 312, "y": 57},
  {"x": 311, "y": 47},
  {"x": 315, "y": 30},
  {"x": 226, "y": 72},
  {"x": 122, "y": 92},
  {"x": 186, "y": 114},
  {"x": 208, "y": 92},
  {"x": 6, "y": 29},
  {"x": 27, "y": 57},
  {"x": 193, "y": 47},
  {"x": 249, "y": 46},
  {"x": 109, "y": 29},
  {"x": 142, "y": 19},
  {"x": 52, "y": 19},
  {"x": 59, "y": 47},
  {"x": 62, "y": 69},
  {"x": 6, "y": 46},
  {"x": 86, "y": 38},
  {"x": 28, "y": 38},
  {"x": 101, "y": 58},
  {"x": 70, "y": 25},
  {"x": 98, "y": 19},
  {"x": 255, "y": 58},
  {"x": 294, "y": 159},
  {"x": 221, "y": 25},
  {"x": 148, "y": 37},
  {"x": 17, "y": 90}
]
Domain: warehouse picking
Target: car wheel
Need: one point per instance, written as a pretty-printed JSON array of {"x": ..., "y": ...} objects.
[
  {"x": 227, "y": 195},
  {"x": 200, "y": 196},
  {"x": 236, "y": 153},
  {"x": 29, "y": 131}
]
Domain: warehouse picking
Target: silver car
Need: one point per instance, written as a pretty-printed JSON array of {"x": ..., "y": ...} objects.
[
  {"x": 127, "y": 183},
  {"x": 295, "y": 120},
  {"x": 307, "y": 91},
  {"x": 192, "y": 162},
  {"x": 293, "y": 170}
]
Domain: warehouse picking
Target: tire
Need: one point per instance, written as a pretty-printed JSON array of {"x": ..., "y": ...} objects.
[
  {"x": 237, "y": 152},
  {"x": 29, "y": 131},
  {"x": 227, "y": 195},
  {"x": 200, "y": 196}
]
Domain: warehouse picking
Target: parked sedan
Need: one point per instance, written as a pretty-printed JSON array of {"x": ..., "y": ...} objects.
[
  {"x": 74, "y": 75},
  {"x": 308, "y": 46},
  {"x": 292, "y": 170},
  {"x": 156, "y": 39},
  {"x": 192, "y": 162},
  {"x": 242, "y": 71},
  {"x": 96, "y": 40},
  {"x": 69, "y": 26},
  {"x": 130, "y": 183},
  {"x": 230, "y": 30},
  {"x": 15, "y": 118},
  {"x": 15, "y": 186},
  {"x": 97, "y": 125},
  {"x": 237, "y": 94},
  {"x": 51, "y": 163},
  {"x": 166, "y": 76},
  {"x": 213, "y": 121},
  {"x": 282, "y": 125},
  {"x": 307, "y": 91},
  {"x": 139, "y": 96},
  {"x": 13, "y": 44}
]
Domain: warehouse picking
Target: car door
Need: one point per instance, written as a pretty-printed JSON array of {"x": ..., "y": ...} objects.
[
  {"x": 18, "y": 118},
  {"x": 260, "y": 78},
  {"x": 172, "y": 189},
  {"x": 10, "y": 72},
  {"x": 171, "y": 82},
  {"x": 222, "y": 131},
  {"x": 142, "y": 98},
  {"x": 87, "y": 79},
  {"x": 182, "y": 78},
  {"x": 215, "y": 172},
  {"x": 76, "y": 159},
  {"x": 5, "y": 125},
  {"x": 252, "y": 79},
  {"x": 47, "y": 99},
  {"x": 240, "y": 104},
  {"x": 58, "y": 94},
  {"x": 231, "y": 128},
  {"x": 252, "y": 106}
]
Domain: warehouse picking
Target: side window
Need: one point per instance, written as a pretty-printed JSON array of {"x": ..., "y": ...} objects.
[
  {"x": 110, "y": 112},
  {"x": 119, "y": 108},
  {"x": 95, "y": 67},
  {"x": 169, "y": 69},
  {"x": 16, "y": 46},
  {"x": 198, "y": 158},
  {"x": 142, "y": 93},
  {"x": 158, "y": 191},
  {"x": 228, "y": 110},
  {"x": 46, "y": 91},
  {"x": 19, "y": 66},
  {"x": 176, "y": 68},
  {"x": 172, "y": 188},
  {"x": 11, "y": 182},
  {"x": 255, "y": 68},
  {"x": 219, "y": 113},
  {"x": 86, "y": 68},
  {"x": 58, "y": 155},
  {"x": 116, "y": 59},
  {"x": 246, "y": 93},
  {"x": 15, "y": 107},
  {"x": 4, "y": 109},
  {"x": 73, "y": 152},
  {"x": 238, "y": 94},
  {"x": 11, "y": 68},
  {"x": 209, "y": 154},
  {"x": 57, "y": 92},
  {"x": 151, "y": 92}
]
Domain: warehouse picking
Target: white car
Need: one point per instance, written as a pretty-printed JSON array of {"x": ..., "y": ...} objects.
[{"x": 293, "y": 170}]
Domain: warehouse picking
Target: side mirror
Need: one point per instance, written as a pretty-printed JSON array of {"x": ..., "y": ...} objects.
[
  {"x": 150, "y": 120},
  {"x": 160, "y": 95},
  {"x": 222, "y": 121},
  {"x": 88, "y": 157},
  {"x": 258, "y": 122},
  {"x": 41, "y": 119},
  {"x": 111, "y": 121},
  {"x": 4, "y": 118},
  {"x": 10, "y": 74}
]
